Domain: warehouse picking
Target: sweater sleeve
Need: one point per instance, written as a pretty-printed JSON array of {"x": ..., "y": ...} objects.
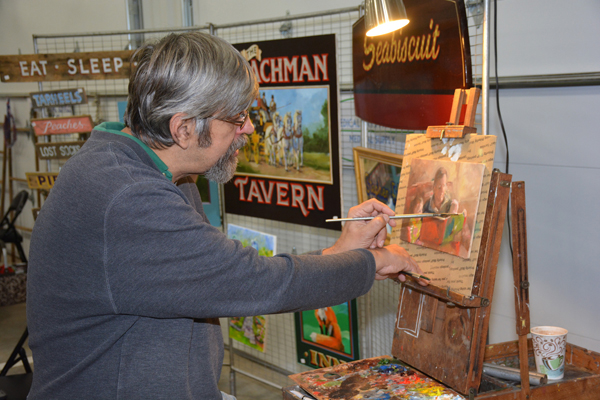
[{"x": 162, "y": 260}]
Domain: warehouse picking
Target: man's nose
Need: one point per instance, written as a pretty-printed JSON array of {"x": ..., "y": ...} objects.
[{"x": 248, "y": 127}]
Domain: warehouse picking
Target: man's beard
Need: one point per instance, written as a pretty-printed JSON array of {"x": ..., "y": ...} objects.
[{"x": 225, "y": 167}]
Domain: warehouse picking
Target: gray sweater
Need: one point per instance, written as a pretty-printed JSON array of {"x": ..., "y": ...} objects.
[{"x": 127, "y": 279}]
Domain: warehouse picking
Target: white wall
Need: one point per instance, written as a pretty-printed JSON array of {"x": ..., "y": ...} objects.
[
  {"x": 553, "y": 132},
  {"x": 554, "y": 139},
  {"x": 228, "y": 11}
]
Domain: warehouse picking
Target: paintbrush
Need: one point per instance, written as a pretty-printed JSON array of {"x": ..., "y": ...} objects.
[
  {"x": 416, "y": 276},
  {"x": 399, "y": 216}
]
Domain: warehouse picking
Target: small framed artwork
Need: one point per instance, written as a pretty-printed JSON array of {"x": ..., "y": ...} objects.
[
  {"x": 377, "y": 175},
  {"x": 251, "y": 330},
  {"x": 327, "y": 336}
]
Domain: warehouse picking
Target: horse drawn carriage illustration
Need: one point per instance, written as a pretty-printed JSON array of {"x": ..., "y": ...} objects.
[{"x": 277, "y": 138}]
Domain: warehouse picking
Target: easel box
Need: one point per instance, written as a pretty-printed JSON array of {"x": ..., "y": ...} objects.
[
  {"x": 581, "y": 382},
  {"x": 442, "y": 334}
]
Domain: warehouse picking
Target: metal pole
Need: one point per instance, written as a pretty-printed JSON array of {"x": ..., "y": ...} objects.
[{"x": 485, "y": 85}]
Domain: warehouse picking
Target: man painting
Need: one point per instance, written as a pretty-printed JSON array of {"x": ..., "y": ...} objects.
[{"x": 127, "y": 278}]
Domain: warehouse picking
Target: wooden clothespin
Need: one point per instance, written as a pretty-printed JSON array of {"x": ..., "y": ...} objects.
[{"x": 452, "y": 129}]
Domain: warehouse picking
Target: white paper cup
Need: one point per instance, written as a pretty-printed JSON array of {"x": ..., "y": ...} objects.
[{"x": 549, "y": 346}]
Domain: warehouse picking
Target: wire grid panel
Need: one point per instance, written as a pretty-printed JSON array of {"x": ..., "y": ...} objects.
[
  {"x": 280, "y": 349},
  {"x": 339, "y": 24},
  {"x": 103, "y": 95},
  {"x": 475, "y": 24}
]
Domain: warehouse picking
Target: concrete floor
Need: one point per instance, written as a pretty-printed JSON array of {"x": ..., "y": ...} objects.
[{"x": 13, "y": 322}]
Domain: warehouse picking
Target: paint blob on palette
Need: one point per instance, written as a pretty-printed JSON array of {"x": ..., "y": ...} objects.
[{"x": 381, "y": 378}]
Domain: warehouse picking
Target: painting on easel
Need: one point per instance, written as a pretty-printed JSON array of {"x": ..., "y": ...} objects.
[
  {"x": 382, "y": 378},
  {"x": 449, "y": 269},
  {"x": 436, "y": 186}
]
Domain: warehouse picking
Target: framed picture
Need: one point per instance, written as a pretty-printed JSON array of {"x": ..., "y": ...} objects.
[
  {"x": 377, "y": 175},
  {"x": 289, "y": 170},
  {"x": 251, "y": 330},
  {"x": 327, "y": 336}
]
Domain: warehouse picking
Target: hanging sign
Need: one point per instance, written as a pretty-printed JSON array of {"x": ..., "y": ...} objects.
[
  {"x": 51, "y": 151},
  {"x": 65, "y": 66},
  {"x": 406, "y": 79},
  {"x": 62, "y": 125},
  {"x": 290, "y": 169},
  {"x": 41, "y": 180},
  {"x": 58, "y": 98}
]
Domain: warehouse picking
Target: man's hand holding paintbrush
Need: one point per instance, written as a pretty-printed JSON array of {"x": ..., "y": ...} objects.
[{"x": 391, "y": 260}]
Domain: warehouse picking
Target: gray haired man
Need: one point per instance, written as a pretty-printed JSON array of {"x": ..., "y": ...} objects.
[{"x": 127, "y": 279}]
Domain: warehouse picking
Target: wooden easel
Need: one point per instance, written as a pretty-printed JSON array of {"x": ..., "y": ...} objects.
[
  {"x": 452, "y": 129},
  {"x": 448, "y": 341}
]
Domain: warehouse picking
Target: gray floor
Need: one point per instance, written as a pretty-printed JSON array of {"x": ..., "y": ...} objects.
[{"x": 13, "y": 322}]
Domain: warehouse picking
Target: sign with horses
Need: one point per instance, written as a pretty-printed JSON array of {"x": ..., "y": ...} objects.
[{"x": 289, "y": 170}]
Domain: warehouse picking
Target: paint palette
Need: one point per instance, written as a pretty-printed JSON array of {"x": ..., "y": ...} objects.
[{"x": 382, "y": 378}]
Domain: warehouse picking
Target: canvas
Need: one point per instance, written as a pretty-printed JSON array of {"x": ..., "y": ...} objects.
[{"x": 439, "y": 186}]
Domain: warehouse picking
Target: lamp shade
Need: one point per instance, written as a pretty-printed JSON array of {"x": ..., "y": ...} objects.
[{"x": 384, "y": 16}]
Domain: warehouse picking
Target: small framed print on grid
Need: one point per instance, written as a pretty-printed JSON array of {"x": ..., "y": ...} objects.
[
  {"x": 377, "y": 176},
  {"x": 327, "y": 336}
]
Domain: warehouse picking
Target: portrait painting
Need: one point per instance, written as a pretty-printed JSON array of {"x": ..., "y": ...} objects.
[
  {"x": 327, "y": 336},
  {"x": 291, "y": 137},
  {"x": 442, "y": 187}
]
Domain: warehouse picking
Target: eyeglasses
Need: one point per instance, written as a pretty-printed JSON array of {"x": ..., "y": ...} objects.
[{"x": 241, "y": 122}]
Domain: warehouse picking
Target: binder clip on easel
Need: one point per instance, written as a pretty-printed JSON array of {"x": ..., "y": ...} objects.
[{"x": 452, "y": 129}]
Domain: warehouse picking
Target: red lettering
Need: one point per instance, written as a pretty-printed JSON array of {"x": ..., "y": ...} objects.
[
  {"x": 277, "y": 69},
  {"x": 316, "y": 199},
  {"x": 254, "y": 66},
  {"x": 263, "y": 64},
  {"x": 298, "y": 197},
  {"x": 321, "y": 65},
  {"x": 282, "y": 191},
  {"x": 290, "y": 66},
  {"x": 240, "y": 183},
  {"x": 266, "y": 194},
  {"x": 305, "y": 70},
  {"x": 254, "y": 192}
]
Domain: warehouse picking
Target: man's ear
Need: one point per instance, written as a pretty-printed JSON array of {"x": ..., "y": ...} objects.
[{"x": 183, "y": 129}]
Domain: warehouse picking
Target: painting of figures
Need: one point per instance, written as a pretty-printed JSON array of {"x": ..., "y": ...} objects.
[
  {"x": 436, "y": 186},
  {"x": 291, "y": 135}
]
